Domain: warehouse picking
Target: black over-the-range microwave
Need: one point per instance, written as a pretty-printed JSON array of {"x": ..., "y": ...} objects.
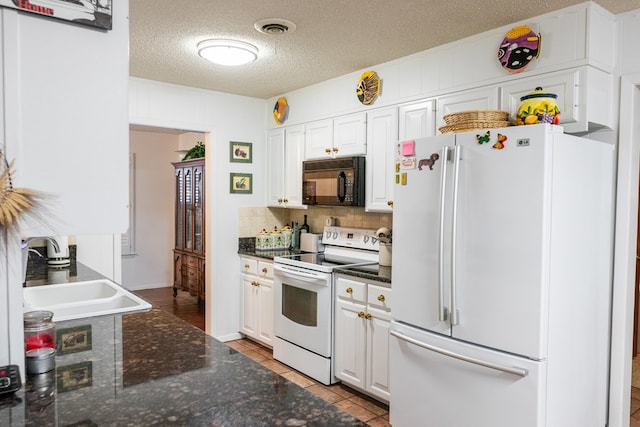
[{"x": 333, "y": 182}]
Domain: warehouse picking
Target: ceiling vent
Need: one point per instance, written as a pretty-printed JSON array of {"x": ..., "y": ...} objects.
[{"x": 274, "y": 26}]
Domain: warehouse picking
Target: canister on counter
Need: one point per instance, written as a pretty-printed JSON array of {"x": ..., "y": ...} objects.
[{"x": 39, "y": 330}]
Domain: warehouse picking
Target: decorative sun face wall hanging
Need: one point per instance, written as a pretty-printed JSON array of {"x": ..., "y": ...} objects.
[
  {"x": 519, "y": 47},
  {"x": 280, "y": 110},
  {"x": 368, "y": 87}
]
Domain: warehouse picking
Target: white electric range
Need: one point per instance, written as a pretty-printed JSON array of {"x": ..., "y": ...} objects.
[{"x": 303, "y": 288}]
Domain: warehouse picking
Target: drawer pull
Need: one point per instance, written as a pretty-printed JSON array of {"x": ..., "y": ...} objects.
[
  {"x": 361, "y": 314},
  {"x": 247, "y": 266},
  {"x": 265, "y": 270},
  {"x": 349, "y": 291},
  {"x": 368, "y": 316},
  {"x": 327, "y": 150},
  {"x": 381, "y": 298}
]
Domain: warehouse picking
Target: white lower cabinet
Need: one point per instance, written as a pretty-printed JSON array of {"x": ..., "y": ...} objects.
[
  {"x": 256, "y": 309},
  {"x": 362, "y": 320}
]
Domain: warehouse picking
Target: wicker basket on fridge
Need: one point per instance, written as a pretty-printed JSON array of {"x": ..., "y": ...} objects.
[{"x": 473, "y": 120}]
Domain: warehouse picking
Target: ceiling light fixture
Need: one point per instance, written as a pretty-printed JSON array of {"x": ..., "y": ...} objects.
[{"x": 227, "y": 52}]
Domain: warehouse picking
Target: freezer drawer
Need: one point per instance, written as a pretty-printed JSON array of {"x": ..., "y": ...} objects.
[{"x": 438, "y": 381}]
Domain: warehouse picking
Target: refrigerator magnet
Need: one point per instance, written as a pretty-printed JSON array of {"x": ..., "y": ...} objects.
[
  {"x": 409, "y": 148},
  {"x": 500, "y": 142},
  {"x": 408, "y": 163},
  {"x": 430, "y": 162},
  {"x": 403, "y": 178}
]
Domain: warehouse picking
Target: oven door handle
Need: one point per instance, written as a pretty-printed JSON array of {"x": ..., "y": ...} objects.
[{"x": 298, "y": 275}]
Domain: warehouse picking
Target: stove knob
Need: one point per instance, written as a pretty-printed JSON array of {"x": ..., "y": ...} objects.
[
  {"x": 335, "y": 234},
  {"x": 327, "y": 234},
  {"x": 366, "y": 238}
]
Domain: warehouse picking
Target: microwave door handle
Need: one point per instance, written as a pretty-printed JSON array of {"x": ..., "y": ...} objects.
[{"x": 342, "y": 186}]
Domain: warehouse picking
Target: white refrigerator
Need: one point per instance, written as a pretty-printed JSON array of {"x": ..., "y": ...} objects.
[{"x": 502, "y": 273}]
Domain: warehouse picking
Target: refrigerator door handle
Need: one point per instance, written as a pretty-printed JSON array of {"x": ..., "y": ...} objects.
[
  {"x": 457, "y": 156},
  {"x": 521, "y": 372},
  {"x": 442, "y": 310}
]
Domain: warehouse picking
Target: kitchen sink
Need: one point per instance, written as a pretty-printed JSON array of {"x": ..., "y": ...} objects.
[{"x": 82, "y": 299}]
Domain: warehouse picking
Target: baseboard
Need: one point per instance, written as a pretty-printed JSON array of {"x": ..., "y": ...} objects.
[
  {"x": 148, "y": 286},
  {"x": 229, "y": 337}
]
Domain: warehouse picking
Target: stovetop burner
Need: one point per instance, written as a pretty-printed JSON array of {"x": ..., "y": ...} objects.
[{"x": 346, "y": 247}]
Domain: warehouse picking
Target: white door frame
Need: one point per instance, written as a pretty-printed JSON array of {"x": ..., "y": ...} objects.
[{"x": 625, "y": 251}]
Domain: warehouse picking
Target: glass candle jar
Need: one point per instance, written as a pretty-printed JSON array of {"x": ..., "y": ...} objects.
[{"x": 39, "y": 330}]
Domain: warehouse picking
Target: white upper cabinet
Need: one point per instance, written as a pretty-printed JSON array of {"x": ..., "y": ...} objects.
[
  {"x": 341, "y": 137},
  {"x": 350, "y": 135},
  {"x": 584, "y": 97},
  {"x": 382, "y": 136},
  {"x": 479, "y": 99},
  {"x": 318, "y": 139},
  {"x": 294, "y": 155},
  {"x": 285, "y": 153},
  {"x": 275, "y": 167},
  {"x": 417, "y": 120}
]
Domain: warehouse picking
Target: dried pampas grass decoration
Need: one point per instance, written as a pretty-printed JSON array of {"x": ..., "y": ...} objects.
[{"x": 15, "y": 202}]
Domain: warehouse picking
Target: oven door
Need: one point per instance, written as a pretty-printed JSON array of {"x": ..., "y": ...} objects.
[{"x": 302, "y": 308}]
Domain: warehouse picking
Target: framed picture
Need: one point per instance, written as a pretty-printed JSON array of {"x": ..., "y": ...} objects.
[
  {"x": 73, "y": 340},
  {"x": 240, "y": 152},
  {"x": 241, "y": 183},
  {"x": 96, "y": 13},
  {"x": 73, "y": 377}
]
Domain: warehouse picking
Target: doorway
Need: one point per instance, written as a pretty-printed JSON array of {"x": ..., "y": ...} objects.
[{"x": 151, "y": 236}]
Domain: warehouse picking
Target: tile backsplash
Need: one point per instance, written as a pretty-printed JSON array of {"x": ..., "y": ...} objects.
[{"x": 254, "y": 219}]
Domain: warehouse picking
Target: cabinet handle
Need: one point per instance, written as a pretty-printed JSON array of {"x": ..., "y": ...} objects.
[
  {"x": 280, "y": 200},
  {"x": 327, "y": 150},
  {"x": 335, "y": 149},
  {"x": 381, "y": 298},
  {"x": 254, "y": 283},
  {"x": 368, "y": 316},
  {"x": 390, "y": 203},
  {"x": 246, "y": 266},
  {"x": 285, "y": 201},
  {"x": 264, "y": 270},
  {"x": 349, "y": 291},
  {"x": 361, "y": 314}
]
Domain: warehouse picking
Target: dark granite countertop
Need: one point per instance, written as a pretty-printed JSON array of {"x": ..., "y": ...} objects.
[
  {"x": 149, "y": 368},
  {"x": 376, "y": 273},
  {"x": 247, "y": 246}
]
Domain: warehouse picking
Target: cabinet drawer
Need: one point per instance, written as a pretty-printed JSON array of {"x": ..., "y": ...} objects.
[
  {"x": 265, "y": 269},
  {"x": 379, "y": 297},
  {"x": 191, "y": 262},
  {"x": 193, "y": 274},
  {"x": 249, "y": 265},
  {"x": 350, "y": 290}
]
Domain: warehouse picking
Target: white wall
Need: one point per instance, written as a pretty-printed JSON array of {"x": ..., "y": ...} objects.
[
  {"x": 151, "y": 266},
  {"x": 65, "y": 120},
  {"x": 226, "y": 118},
  {"x": 626, "y": 219}
]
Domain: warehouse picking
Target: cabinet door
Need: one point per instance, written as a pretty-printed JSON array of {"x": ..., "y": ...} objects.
[
  {"x": 479, "y": 99},
  {"x": 294, "y": 156},
  {"x": 248, "y": 309},
  {"x": 350, "y": 335},
  {"x": 564, "y": 84},
  {"x": 197, "y": 204},
  {"x": 188, "y": 211},
  {"x": 378, "y": 353},
  {"x": 350, "y": 135},
  {"x": 382, "y": 135},
  {"x": 318, "y": 142},
  {"x": 180, "y": 208},
  {"x": 417, "y": 120},
  {"x": 265, "y": 311},
  {"x": 275, "y": 167}
]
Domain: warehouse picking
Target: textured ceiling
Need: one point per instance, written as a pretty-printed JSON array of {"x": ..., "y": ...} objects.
[{"x": 333, "y": 37}]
